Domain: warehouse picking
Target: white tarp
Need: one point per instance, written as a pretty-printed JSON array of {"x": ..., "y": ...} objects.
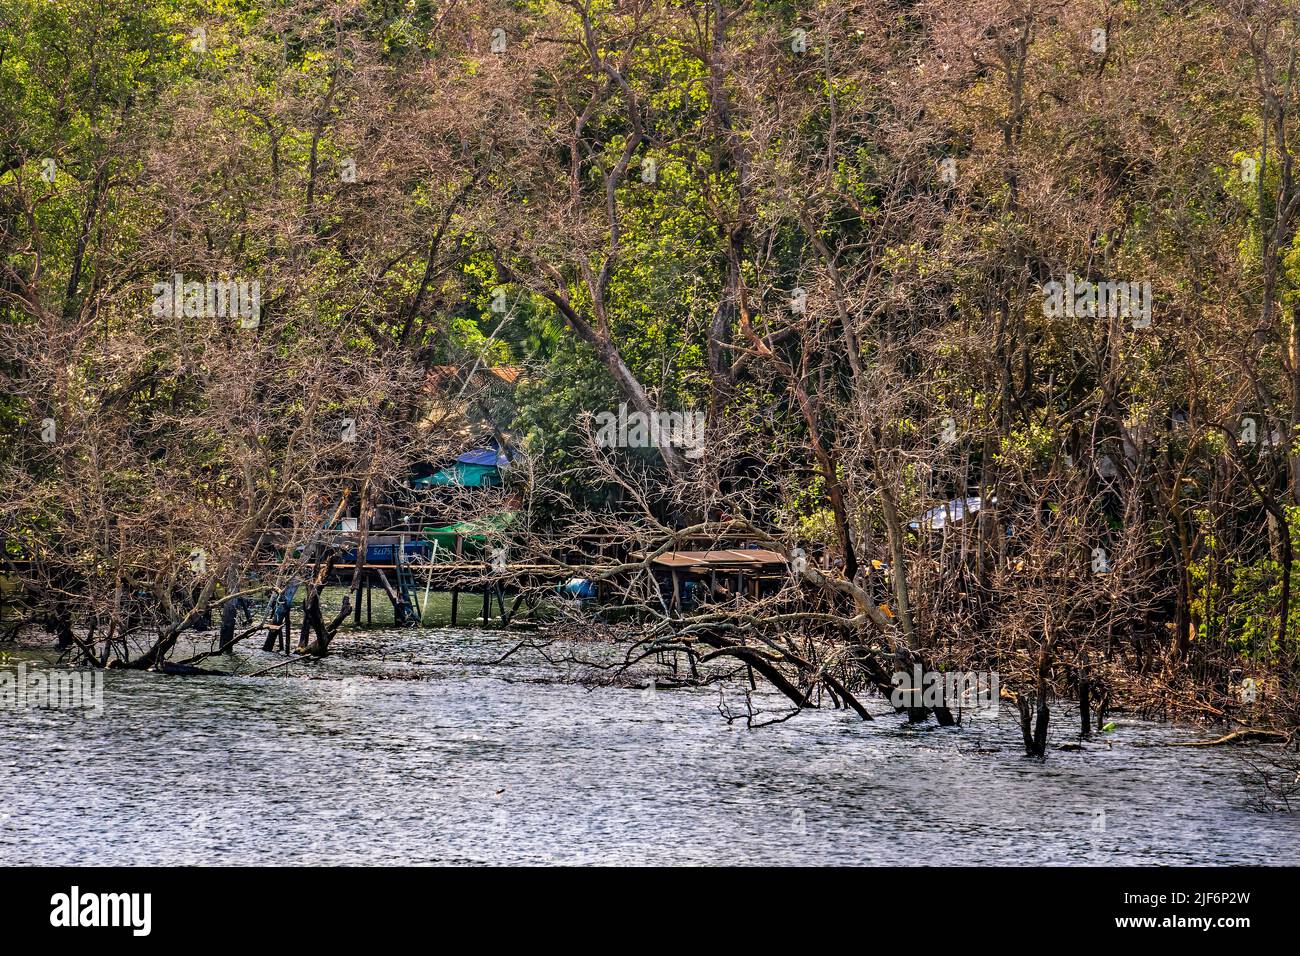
[{"x": 951, "y": 512}]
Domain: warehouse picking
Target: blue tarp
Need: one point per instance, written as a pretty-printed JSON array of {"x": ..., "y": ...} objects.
[
  {"x": 486, "y": 457},
  {"x": 579, "y": 588},
  {"x": 383, "y": 553}
]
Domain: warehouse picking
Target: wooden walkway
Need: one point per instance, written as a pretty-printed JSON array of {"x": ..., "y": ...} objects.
[{"x": 403, "y": 580}]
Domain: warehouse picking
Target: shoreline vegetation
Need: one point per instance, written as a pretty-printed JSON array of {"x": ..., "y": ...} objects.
[{"x": 735, "y": 334}]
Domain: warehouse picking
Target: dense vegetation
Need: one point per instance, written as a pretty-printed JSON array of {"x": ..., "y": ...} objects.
[{"x": 829, "y": 227}]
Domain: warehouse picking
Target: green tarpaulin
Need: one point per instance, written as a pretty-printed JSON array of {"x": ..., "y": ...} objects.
[
  {"x": 474, "y": 533},
  {"x": 461, "y": 475}
]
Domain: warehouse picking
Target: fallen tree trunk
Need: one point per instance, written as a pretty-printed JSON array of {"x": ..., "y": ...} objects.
[
  {"x": 1245, "y": 736},
  {"x": 760, "y": 663}
]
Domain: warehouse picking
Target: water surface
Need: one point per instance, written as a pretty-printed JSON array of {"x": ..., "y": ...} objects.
[{"x": 413, "y": 748}]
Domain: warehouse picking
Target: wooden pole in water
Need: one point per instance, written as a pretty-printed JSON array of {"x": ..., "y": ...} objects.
[
  {"x": 1085, "y": 700},
  {"x": 455, "y": 591},
  {"x": 359, "y": 562},
  {"x": 399, "y": 609},
  {"x": 428, "y": 581},
  {"x": 357, "y": 576}
]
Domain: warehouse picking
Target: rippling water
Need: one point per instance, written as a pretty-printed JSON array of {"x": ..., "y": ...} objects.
[{"x": 469, "y": 762}]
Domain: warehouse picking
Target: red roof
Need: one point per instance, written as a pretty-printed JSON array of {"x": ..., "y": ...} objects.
[{"x": 440, "y": 375}]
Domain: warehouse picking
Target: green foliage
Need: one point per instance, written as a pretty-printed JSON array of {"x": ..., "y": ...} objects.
[{"x": 1238, "y": 602}]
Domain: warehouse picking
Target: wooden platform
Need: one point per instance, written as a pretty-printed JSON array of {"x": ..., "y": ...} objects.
[{"x": 702, "y": 562}]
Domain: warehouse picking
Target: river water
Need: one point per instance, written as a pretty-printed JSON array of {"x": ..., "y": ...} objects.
[{"x": 414, "y": 747}]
